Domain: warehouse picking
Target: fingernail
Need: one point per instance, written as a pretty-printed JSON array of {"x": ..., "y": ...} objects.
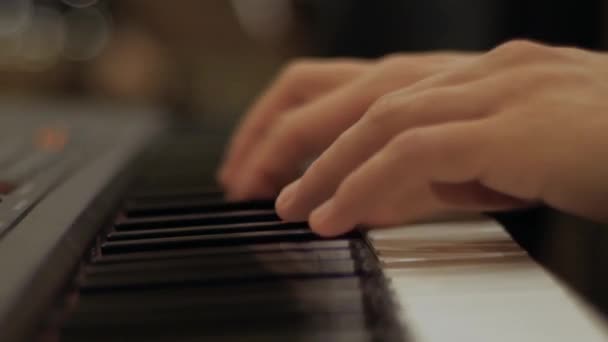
[{"x": 285, "y": 200}]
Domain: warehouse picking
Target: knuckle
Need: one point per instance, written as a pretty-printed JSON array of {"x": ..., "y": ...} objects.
[
  {"x": 417, "y": 63},
  {"x": 521, "y": 44},
  {"x": 341, "y": 143},
  {"x": 302, "y": 64},
  {"x": 518, "y": 45},
  {"x": 525, "y": 50},
  {"x": 396, "y": 61},
  {"x": 403, "y": 66},
  {"x": 406, "y": 69},
  {"x": 393, "y": 60},
  {"x": 382, "y": 109},
  {"x": 298, "y": 68}
]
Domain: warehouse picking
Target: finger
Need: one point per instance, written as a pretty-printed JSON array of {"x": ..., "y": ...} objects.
[
  {"x": 300, "y": 83},
  {"x": 391, "y": 115},
  {"x": 395, "y": 184},
  {"x": 295, "y": 138},
  {"x": 308, "y": 130}
]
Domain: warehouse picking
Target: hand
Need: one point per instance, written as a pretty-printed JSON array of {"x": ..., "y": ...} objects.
[
  {"x": 523, "y": 123},
  {"x": 303, "y": 112}
]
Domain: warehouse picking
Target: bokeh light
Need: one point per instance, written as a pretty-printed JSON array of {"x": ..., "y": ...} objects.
[
  {"x": 42, "y": 42},
  {"x": 15, "y": 16},
  {"x": 88, "y": 30},
  {"x": 264, "y": 20},
  {"x": 79, "y": 3}
]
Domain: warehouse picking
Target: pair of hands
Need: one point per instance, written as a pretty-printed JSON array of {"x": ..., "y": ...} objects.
[{"x": 409, "y": 137}]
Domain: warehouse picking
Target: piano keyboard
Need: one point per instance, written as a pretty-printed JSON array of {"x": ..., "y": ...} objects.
[{"x": 193, "y": 267}]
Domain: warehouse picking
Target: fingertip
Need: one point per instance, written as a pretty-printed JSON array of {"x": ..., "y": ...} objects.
[
  {"x": 225, "y": 174},
  {"x": 221, "y": 176},
  {"x": 284, "y": 202},
  {"x": 233, "y": 196},
  {"x": 325, "y": 220},
  {"x": 319, "y": 217},
  {"x": 244, "y": 183}
]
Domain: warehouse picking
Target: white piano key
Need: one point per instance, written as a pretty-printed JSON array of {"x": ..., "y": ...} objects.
[
  {"x": 487, "y": 296},
  {"x": 470, "y": 230}
]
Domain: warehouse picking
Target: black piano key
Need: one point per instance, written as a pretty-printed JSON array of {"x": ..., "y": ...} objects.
[
  {"x": 181, "y": 311},
  {"x": 245, "y": 303},
  {"x": 161, "y": 196},
  {"x": 192, "y": 206},
  {"x": 196, "y": 219},
  {"x": 252, "y": 316},
  {"x": 201, "y": 323},
  {"x": 260, "y": 272},
  {"x": 229, "y": 250},
  {"x": 211, "y": 262},
  {"x": 204, "y": 230},
  {"x": 357, "y": 334},
  {"x": 298, "y": 288},
  {"x": 269, "y": 327},
  {"x": 127, "y": 246},
  {"x": 288, "y": 290}
]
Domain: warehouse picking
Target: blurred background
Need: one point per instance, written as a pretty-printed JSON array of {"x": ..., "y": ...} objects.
[{"x": 206, "y": 61}]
